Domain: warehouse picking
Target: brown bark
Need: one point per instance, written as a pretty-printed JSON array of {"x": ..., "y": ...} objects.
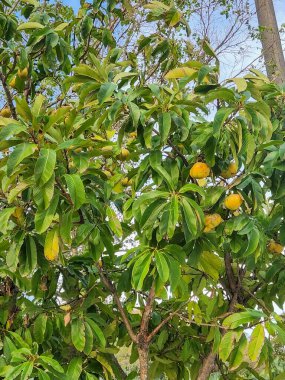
[
  {"x": 271, "y": 43},
  {"x": 143, "y": 360}
]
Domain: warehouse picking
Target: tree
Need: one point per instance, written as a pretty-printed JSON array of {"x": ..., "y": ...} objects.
[
  {"x": 142, "y": 201},
  {"x": 271, "y": 43}
]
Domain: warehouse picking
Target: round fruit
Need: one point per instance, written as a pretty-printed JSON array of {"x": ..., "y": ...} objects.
[
  {"x": 22, "y": 74},
  {"x": 274, "y": 247},
  {"x": 200, "y": 170},
  {"x": 233, "y": 201},
  {"x": 231, "y": 171},
  {"x": 202, "y": 182},
  {"x": 133, "y": 135},
  {"x": 13, "y": 83},
  {"x": 212, "y": 221},
  {"x": 107, "y": 150},
  {"x": 124, "y": 154},
  {"x": 5, "y": 112}
]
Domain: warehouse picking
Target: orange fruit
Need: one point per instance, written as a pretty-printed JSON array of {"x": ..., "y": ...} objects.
[
  {"x": 231, "y": 171},
  {"x": 233, "y": 202},
  {"x": 212, "y": 221},
  {"x": 200, "y": 170},
  {"x": 274, "y": 247},
  {"x": 5, "y": 112}
]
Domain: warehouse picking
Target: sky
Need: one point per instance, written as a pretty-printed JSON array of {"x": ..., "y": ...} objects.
[{"x": 229, "y": 64}]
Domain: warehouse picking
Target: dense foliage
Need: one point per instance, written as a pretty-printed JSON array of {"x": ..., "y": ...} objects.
[{"x": 141, "y": 201}]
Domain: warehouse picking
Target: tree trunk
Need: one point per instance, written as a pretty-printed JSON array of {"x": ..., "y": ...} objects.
[
  {"x": 143, "y": 360},
  {"x": 207, "y": 367},
  {"x": 270, "y": 39}
]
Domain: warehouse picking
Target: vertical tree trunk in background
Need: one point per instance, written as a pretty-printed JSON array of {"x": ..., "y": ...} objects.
[
  {"x": 271, "y": 43},
  {"x": 143, "y": 360}
]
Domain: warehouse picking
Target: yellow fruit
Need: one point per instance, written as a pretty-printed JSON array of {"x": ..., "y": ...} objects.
[
  {"x": 5, "y": 112},
  {"x": 231, "y": 171},
  {"x": 212, "y": 221},
  {"x": 200, "y": 170},
  {"x": 133, "y": 135},
  {"x": 107, "y": 150},
  {"x": 13, "y": 83},
  {"x": 274, "y": 247},
  {"x": 233, "y": 201},
  {"x": 22, "y": 74},
  {"x": 124, "y": 154},
  {"x": 202, "y": 182}
]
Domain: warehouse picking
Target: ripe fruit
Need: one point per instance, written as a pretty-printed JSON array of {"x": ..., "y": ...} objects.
[
  {"x": 231, "y": 171},
  {"x": 12, "y": 82},
  {"x": 274, "y": 247},
  {"x": 124, "y": 154},
  {"x": 133, "y": 135},
  {"x": 233, "y": 201},
  {"x": 202, "y": 182},
  {"x": 5, "y": 112},
  {"x": 200, "y": 170},
  {"x": 212, "y": 221},
  {"x": 22, "y": 74},
  {"x": 107, "y": 150}
]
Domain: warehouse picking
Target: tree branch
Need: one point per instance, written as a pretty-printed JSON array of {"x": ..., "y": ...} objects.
[
  {"x": 109, "y": 285},
  {"x": 8, "y": 96}
]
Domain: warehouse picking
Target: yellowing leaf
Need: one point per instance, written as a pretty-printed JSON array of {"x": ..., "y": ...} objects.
[
  {"x": 180, "y": 72},
  {"x": 256, "y": 343},
  {"x": 51, "y": 248},
  {"x": 30, "y": 25}
]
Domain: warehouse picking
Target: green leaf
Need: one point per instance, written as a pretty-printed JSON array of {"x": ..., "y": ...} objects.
[
  {"x": 27, "y": 369},
  {"x": 241, "y": 83},
  {"x": 253, "y": 241},
  {"x": 164, "y": 125},
  {"x": 51, "y": 363},
  {"x": 44, "y": 218},
  {"x": 74, "y": 369},
  {"x": 162, "y": 266},
  {"x": 140, "y": 270},
  {"x": 4, "y": 218},
  {"x": 45, "y": 165},
  {"x": 97, "y": 331},
  {"x": 220, "y": 117},
  {"x": 43, "y": 375},
  {"x": 114, "y": 222},
  {"x": 19, "y": 153},
  {"x": 239, "y": 353},
  {"x": 256, "y": 343},
  {"x": 106, "y": 90},
  {"x": 40, "y": 328},
  {"x": 226, "y": 345},
  {"x": 237, "y": 319},
  {"x": 189, "y": 220},
  {"x": 191, "y": 187},
  {"x": 30, "y": 25},
  {"x": 76, "y": 189},
  {"x": 11, "y": 130},
  {"x": 135, "y": 113},
  {"x": 78, "y": 334}
]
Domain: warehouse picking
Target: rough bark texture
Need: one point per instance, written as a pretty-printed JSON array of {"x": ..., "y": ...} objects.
[
  {"x": 143, "y": 359},
  {"x": 271, "y": 43}
]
